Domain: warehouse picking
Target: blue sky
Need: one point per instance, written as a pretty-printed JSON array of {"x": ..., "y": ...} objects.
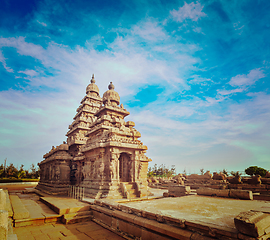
[{"x": 193, "y": 74}]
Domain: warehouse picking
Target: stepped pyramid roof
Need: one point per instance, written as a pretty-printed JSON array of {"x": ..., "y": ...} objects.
[
  {"x": 110, "y": 128},
  {"x": 85, "y": 115}
]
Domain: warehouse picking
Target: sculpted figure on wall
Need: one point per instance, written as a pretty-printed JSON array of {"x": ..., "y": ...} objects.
[
  {"x": 57, "y": 173},
  {"x": 86, "y": 171},
  {"x": 101, "y": 170}
]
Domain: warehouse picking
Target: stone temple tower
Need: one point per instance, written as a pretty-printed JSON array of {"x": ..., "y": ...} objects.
[
  {"x": 105, "y": 155},
  {"x": 115, "y": 163}
]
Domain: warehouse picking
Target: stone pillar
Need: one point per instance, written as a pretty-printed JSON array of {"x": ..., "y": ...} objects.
[
  {"x": 2, "y": 199},
  {"x": 3, "y": 224}
]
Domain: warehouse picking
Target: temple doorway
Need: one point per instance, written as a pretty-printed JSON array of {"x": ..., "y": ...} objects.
[{"x": 124, "y": 167}]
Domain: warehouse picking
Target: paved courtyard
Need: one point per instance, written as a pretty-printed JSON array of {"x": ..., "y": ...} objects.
[{"x": 80, "y": 231}]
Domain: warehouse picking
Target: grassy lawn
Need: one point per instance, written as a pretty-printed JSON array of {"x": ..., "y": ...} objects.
[{"x": 11, "y": 180}]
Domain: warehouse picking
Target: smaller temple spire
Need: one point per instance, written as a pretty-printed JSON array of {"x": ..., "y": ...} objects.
[{"x": 93, "y": 78}]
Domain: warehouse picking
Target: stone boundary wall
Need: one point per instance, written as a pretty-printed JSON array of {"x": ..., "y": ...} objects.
[
  {"x": 140, "y": 224},
  {"x": 147, "y": 225},
  {"x": 228, "y": 193}
]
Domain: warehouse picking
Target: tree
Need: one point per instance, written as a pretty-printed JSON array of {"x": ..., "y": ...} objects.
[
  {"x": 254, "y": 170},
  {"x": 161, "y": 171},
  {"x": 2, "y": 171},
  {"x": 224, "y": 171},
  {"x": 236, "y": 174},
  {"x": 202, "y": 171}
]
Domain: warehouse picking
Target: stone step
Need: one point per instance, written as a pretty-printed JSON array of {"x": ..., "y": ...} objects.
[
  {"x": 65, "y": 205},
  {"x": 19, "y": 210},
  {"x": 71, "y": 218}
]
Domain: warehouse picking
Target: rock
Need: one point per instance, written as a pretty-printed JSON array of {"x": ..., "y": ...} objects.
[{"x": 253, "y": 223}]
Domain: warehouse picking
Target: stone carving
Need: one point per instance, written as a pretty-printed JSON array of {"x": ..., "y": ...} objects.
[{"x": 255, "y": 179}]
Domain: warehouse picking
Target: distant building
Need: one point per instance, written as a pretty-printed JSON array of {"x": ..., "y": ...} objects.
[{"x": 102, "y": 153}]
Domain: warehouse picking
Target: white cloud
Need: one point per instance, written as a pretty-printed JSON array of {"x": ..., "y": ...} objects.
[
  {"x": 191, "y": 11},
  {"x": 3, "y": 61},
  {"x": 42, "y": 23},
  {"x": 149, "y": 30},
  {"x": 247, "y": 80},
  {"x": 30, "y": 73},
  {"x": 228, "y": 92},
  {"x": 196, "y": 79}
]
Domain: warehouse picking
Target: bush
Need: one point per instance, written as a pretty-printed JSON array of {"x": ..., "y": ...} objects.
[{"x": 253, "y": 170}]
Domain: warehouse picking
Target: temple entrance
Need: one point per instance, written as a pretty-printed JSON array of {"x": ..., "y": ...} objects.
[{"x": 124, "y": 167}]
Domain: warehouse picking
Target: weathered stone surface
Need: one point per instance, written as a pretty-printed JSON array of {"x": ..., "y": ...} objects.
[
  {"x": 231, "y": 193},
  {"x": 213, "y": 192},
  {"x": 19, "y": 210},
  {"x": 3, "y": 224},
  {"x": 178, "y": 190},
  {"x": 241, "y": 194},
  {"x": 2, "y": 199},
  {"x": 254, "y": 224}
]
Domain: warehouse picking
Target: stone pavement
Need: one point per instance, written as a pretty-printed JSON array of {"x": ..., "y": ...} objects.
[{"x": 78, "y": 231}]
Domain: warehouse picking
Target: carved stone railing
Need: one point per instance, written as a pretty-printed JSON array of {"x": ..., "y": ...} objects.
[{"x": 76, "y": 192}]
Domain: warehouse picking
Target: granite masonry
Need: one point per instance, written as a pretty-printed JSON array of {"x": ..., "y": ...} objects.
[{"x": 103, "y": 153}]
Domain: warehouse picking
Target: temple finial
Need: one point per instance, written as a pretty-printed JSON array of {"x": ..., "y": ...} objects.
[
  {"x": 93, "y": 78},
  {"x": 111, "y": 86}
]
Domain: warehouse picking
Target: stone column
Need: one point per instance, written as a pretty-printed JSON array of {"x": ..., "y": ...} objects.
[{"x": 3, "y": 224}]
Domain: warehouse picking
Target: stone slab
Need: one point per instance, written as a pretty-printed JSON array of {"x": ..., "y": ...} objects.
[
  {"x": 208, "y": 210},
  {"x": 252, "y": 223},
  {"x": 64, "y": 205},
  {"x": 19, "y": 210}
]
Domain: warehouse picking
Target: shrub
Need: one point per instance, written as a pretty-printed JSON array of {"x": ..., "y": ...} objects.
[{"x": 253, "y": 170}]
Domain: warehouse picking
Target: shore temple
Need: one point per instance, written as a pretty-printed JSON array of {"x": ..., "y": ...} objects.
[{"x": 102, "y": 153}]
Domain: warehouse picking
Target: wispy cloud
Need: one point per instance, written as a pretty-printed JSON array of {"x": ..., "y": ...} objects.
[
  {"x": 150, "y": 31},
  {"x": 3, "y": 61},
  {"x": 29, "y": 72},
  {"x": 191, "y": 11},
  {"x": 228, "y": 92},
  {"x": 247, "y": 79}
]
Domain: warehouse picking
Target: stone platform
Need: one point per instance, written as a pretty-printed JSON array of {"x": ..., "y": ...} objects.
[{"x": 188, "y": 217}]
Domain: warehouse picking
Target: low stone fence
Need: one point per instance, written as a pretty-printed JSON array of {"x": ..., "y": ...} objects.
[
  {"x": 228, "y": 193},
  {"x": 6, "y": 213},
  {"x": 141, "y": 224}
]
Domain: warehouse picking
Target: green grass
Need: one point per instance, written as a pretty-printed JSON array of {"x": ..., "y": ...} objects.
[{"x": 11, "y": 180}]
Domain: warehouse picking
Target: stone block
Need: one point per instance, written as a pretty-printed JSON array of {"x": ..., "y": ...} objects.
[
  {"x": 20, "y": 212},
  {"x": 2, "y": 199},
  {"x": 3, "y": 224},
  {"x": 129, "y": 228},
  {"x": 241, "y": 194},
  {"x": 252, "y": 223},
  {"x": 197, "y": 236},
  {"x": 213, "y": 192},
  {"x": 124, "y": 216},
  {"x": 179, "y": 189},
  {"x": 152, "y": 236}
]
